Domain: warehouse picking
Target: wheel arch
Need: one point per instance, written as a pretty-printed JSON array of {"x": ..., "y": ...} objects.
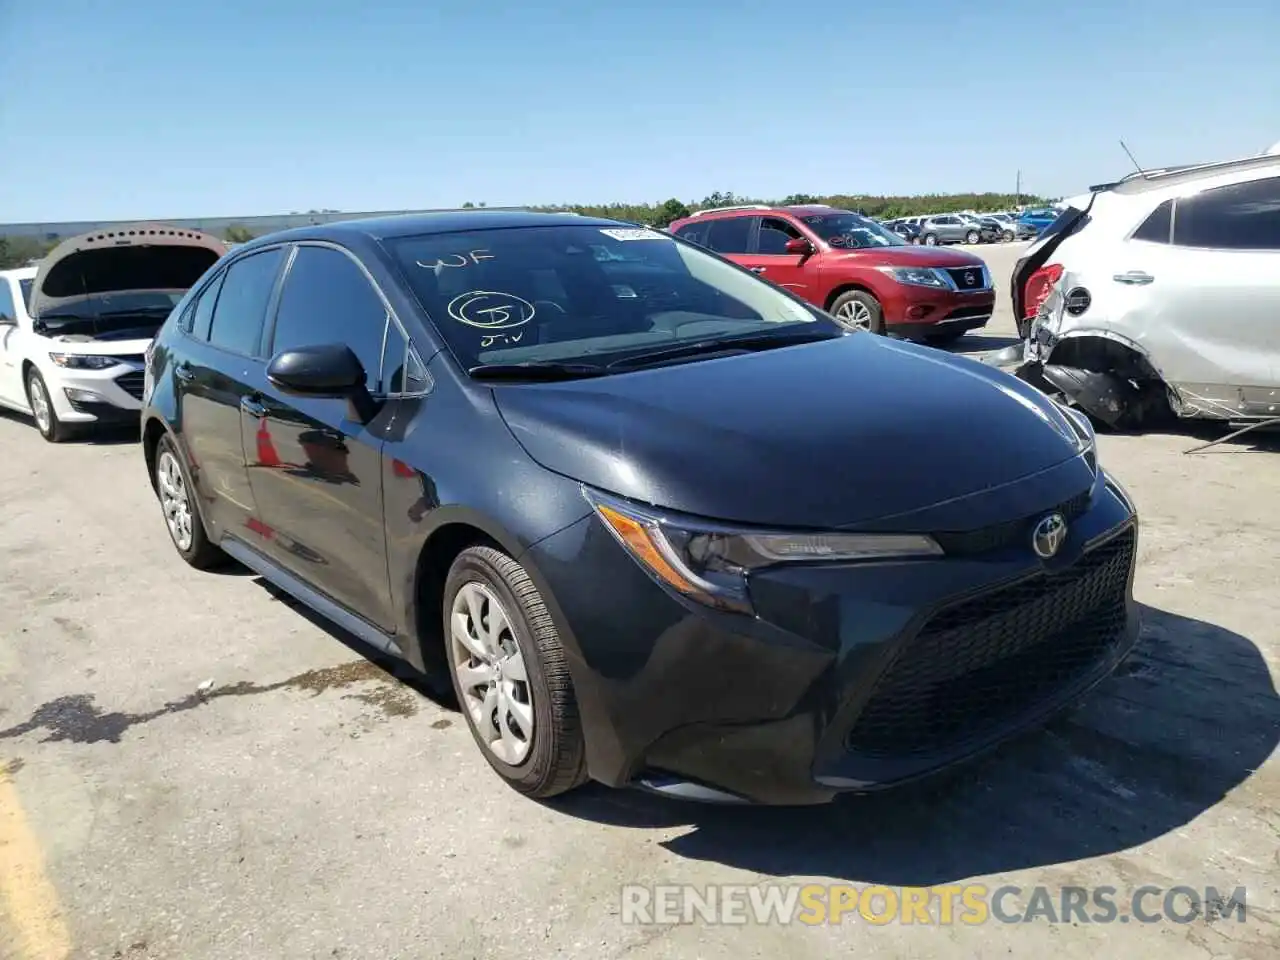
[{"x": 849, "y": 287}]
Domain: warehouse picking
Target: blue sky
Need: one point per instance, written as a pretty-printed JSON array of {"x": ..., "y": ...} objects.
[{"x": 160, "y": 108}]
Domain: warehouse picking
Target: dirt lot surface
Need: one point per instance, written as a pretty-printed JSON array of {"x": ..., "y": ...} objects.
[{"x": 309, "y": 804}]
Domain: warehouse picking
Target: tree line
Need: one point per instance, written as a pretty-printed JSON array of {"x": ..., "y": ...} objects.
[{"x": 17, "y": 251}]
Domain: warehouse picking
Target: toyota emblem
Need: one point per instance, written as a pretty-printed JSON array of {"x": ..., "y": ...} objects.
[{"x": 1048, "y": 535}]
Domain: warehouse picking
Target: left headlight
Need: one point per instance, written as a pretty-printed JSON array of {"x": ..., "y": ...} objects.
[
  {"x": 917, "y": 276},
  {"x": 710, "y": 562},
  {"x": 76, "y": 361}
]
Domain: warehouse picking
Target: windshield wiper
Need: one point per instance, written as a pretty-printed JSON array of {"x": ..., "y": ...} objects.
[
  {"x": 536, "y": 370},
  {"x": 752, "y": 341}
]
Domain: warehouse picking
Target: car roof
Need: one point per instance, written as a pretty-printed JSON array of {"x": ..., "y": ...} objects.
[
  {"x": 419, "y": 224},
  {"x": 1187, "y": 173}
]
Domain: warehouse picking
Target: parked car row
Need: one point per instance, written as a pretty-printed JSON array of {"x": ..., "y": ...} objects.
[
  {"x": 588, "y": 470},
  {"x": 1159, "y": 295},
  {"x": 970, "y": 228}
]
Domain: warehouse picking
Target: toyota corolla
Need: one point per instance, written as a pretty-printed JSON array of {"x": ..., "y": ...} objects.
[{"x": 662, "y": 523}]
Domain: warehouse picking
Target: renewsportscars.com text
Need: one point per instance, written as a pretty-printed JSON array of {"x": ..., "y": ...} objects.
[{"x": 968, "y": 904}]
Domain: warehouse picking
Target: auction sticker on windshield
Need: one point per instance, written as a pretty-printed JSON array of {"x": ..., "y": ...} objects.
[{"x": 634, "y": 234}]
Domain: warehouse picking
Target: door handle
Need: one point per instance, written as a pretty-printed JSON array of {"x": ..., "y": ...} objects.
[
  {"x": 184, "y": 372},
  {"x": 253, "y": 407},
  {"x": 1134, "y": 278},
  {"x": 757, "y": 269}
]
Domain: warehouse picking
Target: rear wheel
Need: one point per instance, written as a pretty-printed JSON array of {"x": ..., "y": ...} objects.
[
  {"x": 177, "y": 500},
  {"x": 46, "y": 418},
  {"x": 510, "y": 675},
  {"x": 1007, "y": 236},
  {"x": 930, "y": 239},
  {"x": 972, "y": 237},
  {"x": 857, "y": 308}
]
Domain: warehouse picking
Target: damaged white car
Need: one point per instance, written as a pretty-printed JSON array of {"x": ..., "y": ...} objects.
[
  {"x": 71, "y": 349},
  {"x": 1159, "y": 295}
]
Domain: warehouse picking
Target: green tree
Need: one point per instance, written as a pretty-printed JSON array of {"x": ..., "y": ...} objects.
[
  {"x": 673, "y": 209},
  {"x": 238, "y": 234}
]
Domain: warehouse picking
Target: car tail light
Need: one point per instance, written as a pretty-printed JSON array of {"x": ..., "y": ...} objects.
[{"x": 1039, "y": 284}]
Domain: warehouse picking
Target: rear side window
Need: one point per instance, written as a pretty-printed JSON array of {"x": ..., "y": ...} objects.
[
  {"x": 1156, "y": 228},
  {"x": 328, "y": 299},
  {"x": 202, "y": 313},
  {"x": 242, "y": 303},
  {"x": 730, "y": 235},
  {"x": 8, "y": 315},
  {"x": 1243, "y": 216},
  {"x": 694, "y": 233}
]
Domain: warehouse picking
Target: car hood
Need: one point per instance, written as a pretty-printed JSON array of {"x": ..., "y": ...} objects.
[
  {"x": 135, "y": 258},
  {"x": 908, "y": 256},
  {"x": 820, "y": 435}
]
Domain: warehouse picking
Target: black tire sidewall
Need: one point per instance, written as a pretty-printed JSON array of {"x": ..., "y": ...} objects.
[
  {"x": 473, "y": 566},
  {"x": 930, "y": 240},
  {"x": 199, "y": 539},
  {"x": 972, "y": 237},
  {"x": 55, "y": 425}
]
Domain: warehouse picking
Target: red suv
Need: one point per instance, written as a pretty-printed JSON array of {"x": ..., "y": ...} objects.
[{"x": 860, "y": 272}]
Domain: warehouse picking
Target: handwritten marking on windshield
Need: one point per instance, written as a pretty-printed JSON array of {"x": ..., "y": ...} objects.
[
  {"x": 458, "y": 260},
  {"x": 491, "y": 310},
  {"x": 492, "y": 339}
]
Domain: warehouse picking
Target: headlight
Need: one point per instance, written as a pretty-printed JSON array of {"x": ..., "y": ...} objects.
[
  {"x": 75, "y": 361},
  {"x": 710, "y": 562},
  {"x": 917, "y": 276}
]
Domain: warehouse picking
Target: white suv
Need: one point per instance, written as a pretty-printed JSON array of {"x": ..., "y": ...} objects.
[
  {"x": 73, "y": 329},
  {"x": 1160, "y": 293}
]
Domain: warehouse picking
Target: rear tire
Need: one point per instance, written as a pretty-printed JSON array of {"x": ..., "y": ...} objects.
[
  {"x": 1007, "y": 236},
  {"x": 930, "y": 239},
  {"x": 506, "y": 662},
  {"x": 177, "y": 496},
  {"x": 42, "y": 411},
  {"x": 857, "y": 308},
  {"x": 972, "y": 237}
]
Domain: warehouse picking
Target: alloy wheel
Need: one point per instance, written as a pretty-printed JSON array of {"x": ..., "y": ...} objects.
[
  {"x": 854, "y": 313},
  {"x": 489, "y": 665},
  {"x": 175, "y": 500},
  {"x": 40, "y": 408}
]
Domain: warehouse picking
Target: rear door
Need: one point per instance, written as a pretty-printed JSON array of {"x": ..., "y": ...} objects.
[
  {"x": 1217, "y": 284},
  {"x": 316, "y": 472},
  {"x": 769, "y": 259},
  {"x": 221, "y": 362}
]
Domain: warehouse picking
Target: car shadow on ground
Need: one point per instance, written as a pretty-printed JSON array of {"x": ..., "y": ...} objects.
[
  {"x": 103, "y": 436},
  {"x": 1188, "y": 717},
  {"x": 436, "y": 689}
]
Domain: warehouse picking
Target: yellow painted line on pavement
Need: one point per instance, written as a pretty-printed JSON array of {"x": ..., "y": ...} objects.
[{"x": 29, "y": 907}]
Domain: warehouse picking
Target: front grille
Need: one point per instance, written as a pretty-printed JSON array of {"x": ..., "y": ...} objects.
[
  {"x": 1011, "y": 532},
  {"x": 968, "y": 278},
  {"x": 131, "y": 383},
  {"x": 983, "y": 662}
]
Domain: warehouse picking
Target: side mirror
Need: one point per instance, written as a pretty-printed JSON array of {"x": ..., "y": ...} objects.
[
  {"x": 330, "y": 370},
  {"x": 799, "y": 245}
]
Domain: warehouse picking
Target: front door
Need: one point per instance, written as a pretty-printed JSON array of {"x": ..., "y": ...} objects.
[
  {"x": 316, "y": 472},
  {"x": 770, "y": 260},
  {"x": 216, "y": 372}
]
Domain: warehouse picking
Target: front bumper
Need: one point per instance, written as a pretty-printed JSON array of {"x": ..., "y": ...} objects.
[
  {"x": 110, "y": 396},
  {"x": 849, "y": 677}
]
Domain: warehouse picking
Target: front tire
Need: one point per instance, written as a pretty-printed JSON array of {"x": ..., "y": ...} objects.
[
  {"x": 857, "y": 308},
  {"x": 177, "y": 501},
  {"x": 1007, "y": 236},
  {"x": 930, "y": 239},
  {"x": 42, "y": 411},
  {"x": 972, "y": 237},
  {"x": 510, "y": 674}
]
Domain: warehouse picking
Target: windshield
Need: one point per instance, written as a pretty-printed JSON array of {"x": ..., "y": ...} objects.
[
  {"x": 849, "y": 231},
  {"x": 577, "y": 292}
]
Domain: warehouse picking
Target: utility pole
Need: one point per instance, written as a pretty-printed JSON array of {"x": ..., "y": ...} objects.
[{"x": 1017, "y": 191}]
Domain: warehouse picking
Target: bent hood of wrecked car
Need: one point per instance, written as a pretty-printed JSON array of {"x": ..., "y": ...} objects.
[
  {"x": 834, "y": 433},
  {"x": 83, "y": 271}
]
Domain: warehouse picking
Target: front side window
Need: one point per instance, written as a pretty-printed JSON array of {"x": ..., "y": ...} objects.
[
  {"x": 546, "y": 294},
  {"x": 326, "y": 299},
  {"x": 851, "y": 231},
  {"x": 238, "y": 315},
  {"x": 1243, "y": 216},
  {"x": 774, "y": 235},
  {"x": 8, "y": 316}
]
